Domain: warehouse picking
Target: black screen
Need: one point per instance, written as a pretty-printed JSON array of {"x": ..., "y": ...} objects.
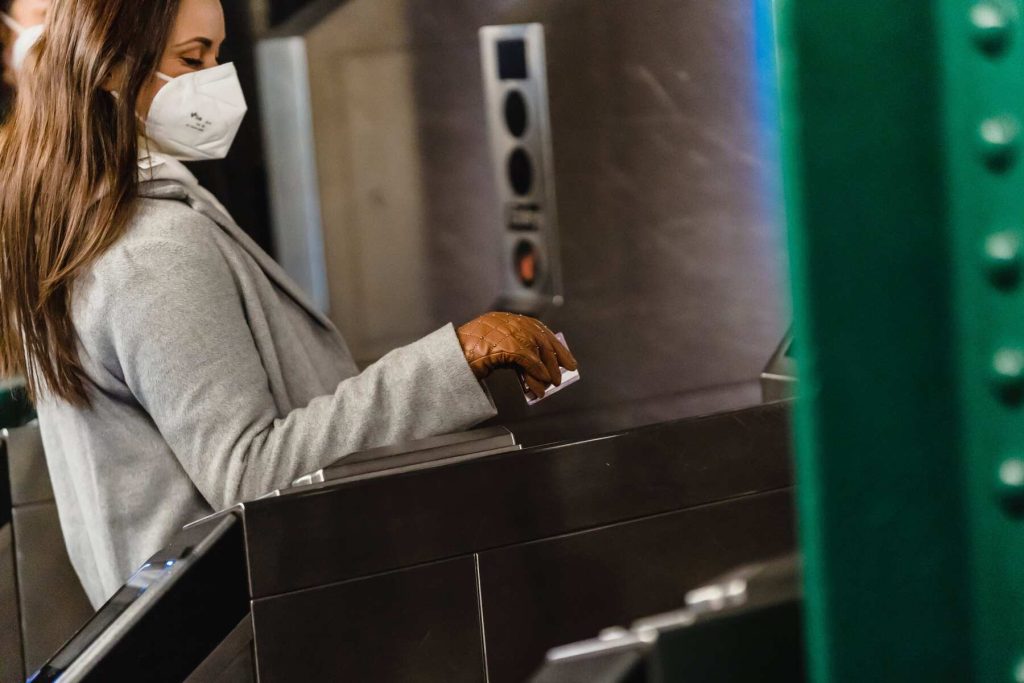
[{"x": 512, "y": 60}]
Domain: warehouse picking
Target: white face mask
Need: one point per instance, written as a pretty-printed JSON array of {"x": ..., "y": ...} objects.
[
  {"x": 197, "y": 115},
  {"x": 27, "y": 37}
]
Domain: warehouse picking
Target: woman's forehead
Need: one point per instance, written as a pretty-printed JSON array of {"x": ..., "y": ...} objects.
[
  {"x": 29, "y": 12},
  {"x": 199, "y": 19}
]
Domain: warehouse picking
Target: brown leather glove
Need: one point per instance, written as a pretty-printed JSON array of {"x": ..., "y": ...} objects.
[{"x": 506, "y": 340}]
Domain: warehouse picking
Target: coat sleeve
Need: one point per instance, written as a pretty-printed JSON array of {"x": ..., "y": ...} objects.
[{"x": 186, "y": 352}]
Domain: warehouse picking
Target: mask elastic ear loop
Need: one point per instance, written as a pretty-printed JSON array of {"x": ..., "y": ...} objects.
[
  {"x": 164, "y": 77},
  {"x": 11, "y": 23}
]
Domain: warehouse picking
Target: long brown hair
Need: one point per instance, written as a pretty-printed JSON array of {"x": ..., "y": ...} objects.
[{"x": 69, "y": 162}]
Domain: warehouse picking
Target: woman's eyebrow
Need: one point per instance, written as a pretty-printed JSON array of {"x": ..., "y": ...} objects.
[{"x": 205, "y": 42}]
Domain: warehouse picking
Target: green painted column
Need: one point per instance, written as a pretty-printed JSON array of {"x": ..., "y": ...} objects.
[
  {"x": 883, "y": 484},
  {"x": 983, "y": 55}
]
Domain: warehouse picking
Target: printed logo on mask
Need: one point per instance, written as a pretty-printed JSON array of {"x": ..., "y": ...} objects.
[{"x": 198, "y": 123}]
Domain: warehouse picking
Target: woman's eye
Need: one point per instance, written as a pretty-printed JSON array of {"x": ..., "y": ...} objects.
[{"x": 190, "y": 62}]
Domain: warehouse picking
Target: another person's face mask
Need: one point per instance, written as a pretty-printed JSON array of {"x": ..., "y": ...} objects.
[
  {"x": 197, "y": 115},
  {"x": 26, "y": 38}
]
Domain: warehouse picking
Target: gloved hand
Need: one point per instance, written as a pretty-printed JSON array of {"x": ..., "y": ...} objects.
[{"x": 506, "y": 340}]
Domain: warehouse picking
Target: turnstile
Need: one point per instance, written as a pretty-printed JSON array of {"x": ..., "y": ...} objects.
[{"x": 464, "y": 567}]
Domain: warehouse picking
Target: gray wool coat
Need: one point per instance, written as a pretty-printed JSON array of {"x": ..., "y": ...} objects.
[{"x": 216, "y": 381}]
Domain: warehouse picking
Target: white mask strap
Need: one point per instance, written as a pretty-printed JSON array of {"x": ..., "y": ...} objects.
[
  {"x": 11, "y": 23},
  {"x": 164, "y": 77}
]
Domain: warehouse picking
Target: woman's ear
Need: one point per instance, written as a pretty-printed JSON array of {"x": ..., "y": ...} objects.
[{"x": 114, "y": 82}]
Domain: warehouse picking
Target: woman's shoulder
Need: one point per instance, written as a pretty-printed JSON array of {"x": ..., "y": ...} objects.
[
  {"x": 164, "y": 239},
  {"x": 166, "y": 222},
  {"x": 168, "y": 257}
]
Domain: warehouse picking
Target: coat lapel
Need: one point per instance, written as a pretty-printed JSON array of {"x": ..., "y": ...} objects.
[{"x": 173, "y": 190}]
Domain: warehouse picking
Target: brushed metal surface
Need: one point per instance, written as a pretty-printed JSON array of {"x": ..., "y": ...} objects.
[
  {"x": 410, "y": 454},
  {"x": 53, "y": 604},
  {"x": 583, "y": 424},
  {"x": 288, "y": 139},
  {"x": 670, "y": 251},
  {"x": 418, "y": 624},
  {"x": 336, "y": 532},
  {"x": 671, "y": 254},
  {"x": 556, "y": 591},
  {"x": 26, "y": 462},
  {"x": 12, "y": 668}
]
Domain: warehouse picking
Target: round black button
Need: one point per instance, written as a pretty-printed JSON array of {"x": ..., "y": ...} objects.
[
  {"x": 516, "y": 116},
  {"x": 520, "y": 172}
]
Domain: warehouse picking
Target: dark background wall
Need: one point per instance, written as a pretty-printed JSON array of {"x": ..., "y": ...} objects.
[
  {"x": 281, "y": 10},
  {"x": 240, "y": 180}
]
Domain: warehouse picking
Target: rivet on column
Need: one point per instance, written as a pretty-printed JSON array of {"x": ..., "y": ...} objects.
[
  {"x": 998, "y": 140},
  {"x": 1002, "y": 258},
  {"x": 992, "y": 26},
  {"x": 1010, "y": 486},
  {"x": 1008, "y": 375}
]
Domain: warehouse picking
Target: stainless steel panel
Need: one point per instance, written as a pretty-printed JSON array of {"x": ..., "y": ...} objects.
[
  {"x": 535, "y": 493},
  {"x": 53, "y": 604},
  {"x": 671, "y": 255},
  {"x": 555, "y": 591},
  {"x": 30, "y": 480},
  {"x": 418, "y": 624},
  {"x": 413, "y": 455},
  {"x": 668, "y": 243},
  {"x": 11, "y": 664},
  {"x": 578, "y": 425},
  {"x": 292, "y": 174}
]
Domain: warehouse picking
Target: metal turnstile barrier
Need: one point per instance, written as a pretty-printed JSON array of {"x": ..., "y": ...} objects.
[
  {"x": 185, "y": 614},
  {"x": 463, "y": 558},
  {"x": 172, "y": 617}
]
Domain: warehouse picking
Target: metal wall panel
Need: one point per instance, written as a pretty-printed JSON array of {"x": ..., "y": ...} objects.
[
  {"x": 669, "y": 248},
  {"x": 53, "y": 604},
  {"x": 284, "y": 92},
  {"x": 11, "y": 663},
  {"x": 419, "y": 624},
  {"x": 26, "y": 463},
  {"x": 467, "y": 507}
]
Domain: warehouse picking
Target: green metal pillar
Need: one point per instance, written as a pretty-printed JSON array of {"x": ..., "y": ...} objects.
[
  {"x": 903, "y": 201},
  {"x": 983, "y": 55}
]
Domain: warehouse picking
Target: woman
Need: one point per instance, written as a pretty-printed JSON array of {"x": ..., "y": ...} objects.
[{"x": 177, "y": 369}]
